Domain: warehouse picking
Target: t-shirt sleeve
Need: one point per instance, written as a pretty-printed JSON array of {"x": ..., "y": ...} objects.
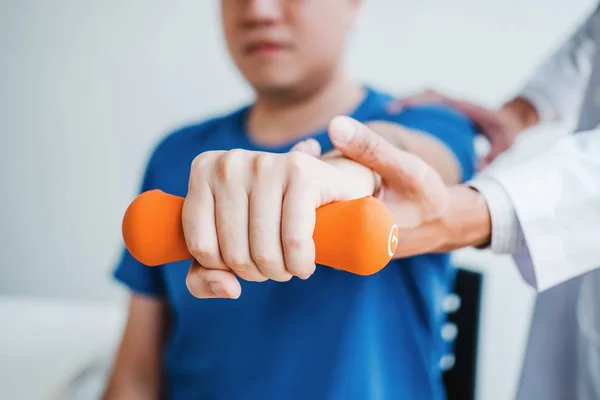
[
  {"x": 452, "y": 128},
  {"x": 138, "y": 277}
]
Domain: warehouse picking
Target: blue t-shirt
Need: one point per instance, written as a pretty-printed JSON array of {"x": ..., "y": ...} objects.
[{"x": 335, "y": 336}]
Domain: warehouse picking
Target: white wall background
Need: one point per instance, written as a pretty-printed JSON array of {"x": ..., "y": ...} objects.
[{"x": 87, "y": 87}]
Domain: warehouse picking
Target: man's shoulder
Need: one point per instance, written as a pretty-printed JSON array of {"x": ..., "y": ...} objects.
[
  {"x": 415, "y": 113},
  {"x": 451, "y": 127}
]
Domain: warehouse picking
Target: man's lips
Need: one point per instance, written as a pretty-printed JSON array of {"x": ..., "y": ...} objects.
[{"x": 265, "y": 47}]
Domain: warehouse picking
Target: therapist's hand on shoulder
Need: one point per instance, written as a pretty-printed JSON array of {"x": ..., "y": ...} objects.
[
  {"x": 501, "y": 126},
  {"x": 251, "y": 215}
]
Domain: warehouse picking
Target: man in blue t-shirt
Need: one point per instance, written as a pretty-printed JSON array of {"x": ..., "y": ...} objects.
[{"x": 253, "y": 317}]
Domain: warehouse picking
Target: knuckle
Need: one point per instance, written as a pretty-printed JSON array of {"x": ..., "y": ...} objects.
[
  {"x": 204, "y": 161},
  {"x": 303, "y": 261},
  {"x": 266, "y": 262},
  {"x": 292, "y": 243},
  {"x": 198, "y": 163},
  {"x": 199, "y": 168},
  {"x": 230, "y": 164},
  {"x": 237, "y": 263},
  {"x": 272, "y": 268},
  {"x": 297, "y": 163},
  {"x": 206, "y": 256},
  {"x": 263, "y": 164},
  {"x": 243, "y": 267},
  {"x": 297, "y": 159}
]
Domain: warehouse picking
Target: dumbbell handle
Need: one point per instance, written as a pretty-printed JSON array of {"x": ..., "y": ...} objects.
[{"x": 358, "y": 236}]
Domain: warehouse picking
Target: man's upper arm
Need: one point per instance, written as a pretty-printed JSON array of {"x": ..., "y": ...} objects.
[{"x": 442, "y": 137}]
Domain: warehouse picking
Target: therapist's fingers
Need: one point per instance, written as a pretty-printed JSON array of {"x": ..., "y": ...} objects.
[
  {"x": 497, "y": 147},
  {"x": 497, "y": 126},
  {"x": 210, "y": 283},
  {"x": 481, "y": 116},
  {"x": 499, "y": 144},
  {"x": 426, "y": 97}
]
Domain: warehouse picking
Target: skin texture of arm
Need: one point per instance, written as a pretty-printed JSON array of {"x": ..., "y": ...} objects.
[
  {"x": 136, "y": 373},
  {"x": 428, "y": 148},
  {"x": 465, "y": 223}
]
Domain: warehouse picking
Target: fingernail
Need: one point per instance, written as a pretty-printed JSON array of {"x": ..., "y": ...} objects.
[
  {"x": 343, "y": 130},
  {"x": 218, "y": 289}
]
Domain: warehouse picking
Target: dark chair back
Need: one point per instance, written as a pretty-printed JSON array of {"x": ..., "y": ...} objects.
[{"x": 462, "y": 330}]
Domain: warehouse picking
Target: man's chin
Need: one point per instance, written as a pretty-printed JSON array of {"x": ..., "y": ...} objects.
[{"x": 275, "y": 87}]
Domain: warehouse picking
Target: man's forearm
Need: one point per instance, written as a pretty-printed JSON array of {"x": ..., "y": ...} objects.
[
  {"x": 360, "y": 180},
  {"x": 466, "y": 223},
  {"x": 428, "y": 148}
]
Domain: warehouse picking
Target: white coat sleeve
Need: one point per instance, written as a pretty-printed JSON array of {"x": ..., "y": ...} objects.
[
  {"x": 558, "y": 85},
  {"x": 556, "y": 199}
]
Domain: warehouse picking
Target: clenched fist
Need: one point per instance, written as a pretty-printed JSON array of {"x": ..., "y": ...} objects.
[{"x": 252, "y": 215}]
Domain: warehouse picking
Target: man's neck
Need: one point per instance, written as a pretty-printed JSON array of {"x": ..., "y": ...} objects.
[{"x": 274, "y": 121}]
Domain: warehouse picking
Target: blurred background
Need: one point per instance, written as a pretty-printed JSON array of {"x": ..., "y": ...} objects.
[{"x": 87, "y": 87}]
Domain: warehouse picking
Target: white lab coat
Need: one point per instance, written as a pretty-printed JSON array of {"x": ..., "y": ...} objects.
[
  {"x": 556, "y": 197},
  {"x": 557, "y": 201}
]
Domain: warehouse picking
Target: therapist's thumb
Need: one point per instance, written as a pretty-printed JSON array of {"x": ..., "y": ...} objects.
[{"x": 358, "y": 142}]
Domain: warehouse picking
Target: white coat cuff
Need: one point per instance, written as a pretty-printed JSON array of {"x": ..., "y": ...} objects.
[
  {"x": 536, "y": 215},
  {"x": 505, "y": 225}
]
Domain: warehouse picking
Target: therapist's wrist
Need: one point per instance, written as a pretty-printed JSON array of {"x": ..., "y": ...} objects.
[{"x": 467, "y": 222}]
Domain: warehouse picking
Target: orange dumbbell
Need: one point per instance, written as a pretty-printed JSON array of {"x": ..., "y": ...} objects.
[{"x": 358, "y": 236}]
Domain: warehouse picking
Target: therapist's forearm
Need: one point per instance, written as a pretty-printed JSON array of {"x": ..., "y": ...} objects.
[{"x": 465, "y": 224}]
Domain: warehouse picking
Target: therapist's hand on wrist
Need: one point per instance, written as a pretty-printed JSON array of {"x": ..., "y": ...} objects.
[
  {"x": 431, "y": 216},
  {"x": 411, "y": 189}
]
